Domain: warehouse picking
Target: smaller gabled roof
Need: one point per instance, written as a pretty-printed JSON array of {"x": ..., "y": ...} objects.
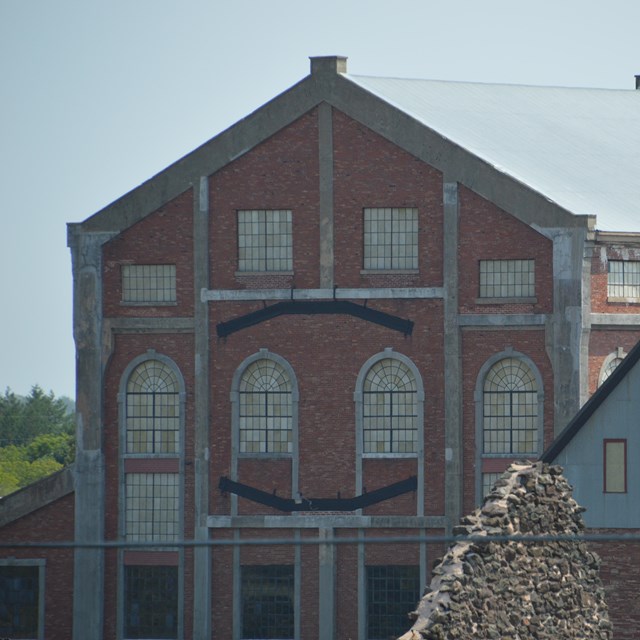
[
  {"x": 36, "y": 495},
  {"x": 592, "y": 405}
]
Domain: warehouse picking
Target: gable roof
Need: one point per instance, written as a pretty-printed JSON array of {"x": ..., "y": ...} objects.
[
  {"x": 550, "y": 156},
  {"x": 592, "y": 405},
  {"x": 36, "y": 495},
  {"x": 578, "y": 147}
]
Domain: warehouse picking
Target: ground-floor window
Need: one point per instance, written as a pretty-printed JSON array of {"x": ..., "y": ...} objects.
[
  {"x": 267, "y": 602},
  {"x": 151, "y": 602},
  {"x": 393, "y": 592},
  {"x": 19, "y": 601}
]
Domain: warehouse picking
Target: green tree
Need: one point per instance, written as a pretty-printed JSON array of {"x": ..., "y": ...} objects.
[
  {"x": 36, "y": 437},
  {"x": 23, "y": 419},
  {"x": 11, "y": 418},
  {"x": 60, "y": 447}
]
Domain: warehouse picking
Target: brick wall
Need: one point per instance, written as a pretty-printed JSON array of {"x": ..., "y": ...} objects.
[
  {"x": 164, "y": 237},
  {"x": 620, "y": 583},
  {"x": 488, "y": 233},
  {"x": 52, "y": 523}
]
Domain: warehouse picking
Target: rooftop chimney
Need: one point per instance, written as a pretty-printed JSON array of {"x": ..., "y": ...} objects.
[
  {"x": 328, "y": 64},
  {"x": 637, "y": 82}
]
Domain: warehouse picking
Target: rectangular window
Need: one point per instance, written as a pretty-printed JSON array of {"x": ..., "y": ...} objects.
[
  {"x": 20, "y": 601},
  {"x": 507, "y": 279},
  {"x": 267, "y": 602},
  {"x": 150, "y": 602},
  {"x": 265, "y": 240},
  {"x": 152, "y": 506},
  {"x": 624, "y": 279},
  {"x": 391, "y": 239},
  {"x": 488, "y": 480},
  {"x": 148, "y": 283},
  {"x": 615, "y": 466},
  {"x": 392, "y": 592}
]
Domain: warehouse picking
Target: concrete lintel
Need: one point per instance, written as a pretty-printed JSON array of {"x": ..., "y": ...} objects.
[
  {"x": 326, "y": 521},
  {"x": 618, "y": 320},
  {"x": 502, "y": 319},
  {"x": 234, "y": 295},
  {"x": 164, "y": 325}
]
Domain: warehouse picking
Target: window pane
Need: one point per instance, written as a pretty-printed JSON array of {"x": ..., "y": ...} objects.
[
  {"x": 615, "y": 466},
  {"x": 19, "y": 601},
  {"x": 151, "y": 602},
  {"x": 392, "y": 593},
  {"x": 391, "y": 238},
  {"x": 267, "y": 602},
  {"x": 153, "y": 409},
  {"x": 389, "y": 409},
  {"x": 265, "y": 240},
  {"x": 510, "y": 409},
  {"x": 507, "y": 278},
  {"x": 610, "y": 367},
  {"x": 152, "y": 506},
  {"x": 624, "y": 279},
  {"x": 148, "y": 283},
  {"x": 266, "y": 409}
]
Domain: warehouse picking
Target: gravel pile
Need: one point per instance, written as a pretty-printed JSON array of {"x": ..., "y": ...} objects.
[{"x": 516, "y": 590}]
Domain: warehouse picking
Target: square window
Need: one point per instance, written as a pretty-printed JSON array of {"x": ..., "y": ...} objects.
[
  {"x": 20, "y": 602},
  {"x": 507, "y": 278},
  {"x": 151, "y": 602},
  {"x": 265, "y": 240},
  {"x": 152, "y": 506},
  {"x": 149, "y": 283},
  {"x": 392, "y": 593},
  {"x": 391, "y": 239},
  {"x": 267, "y": 602}
]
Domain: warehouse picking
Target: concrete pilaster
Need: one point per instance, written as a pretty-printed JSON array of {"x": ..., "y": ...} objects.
[
  {"x": 88, "y": 612},
  {"x": 325, "y": 133},
  {"x": 201, "y": 555},
  {"x": 326, "y": 585},
  {"x": 452, "y": 361}
]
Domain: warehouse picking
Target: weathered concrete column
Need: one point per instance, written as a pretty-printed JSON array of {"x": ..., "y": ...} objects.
[
  {"x": 89, "y": 478},
  {"x": 201, "y": 555},
  {"x": 325, "y": 133},
  {"x": 568, "y": 331},
  {"x": 326, "y": 585},
  {"x": 452, "y": 360}
]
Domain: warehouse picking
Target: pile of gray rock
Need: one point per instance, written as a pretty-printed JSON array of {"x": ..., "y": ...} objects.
[{"x": 511, "y": 589}]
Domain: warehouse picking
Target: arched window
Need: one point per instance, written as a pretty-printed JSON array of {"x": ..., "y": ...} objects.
[
  {"x": 611, "y": 363},
  {"x": 510, "y": 409},
  {"x": 389, "y": 408},
  {"x": 265, "y": 408},
  {"x": 152, "y": 409}
]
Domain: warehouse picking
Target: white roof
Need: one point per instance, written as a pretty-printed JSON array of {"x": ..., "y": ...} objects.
[{"x": 580, "y": 148}]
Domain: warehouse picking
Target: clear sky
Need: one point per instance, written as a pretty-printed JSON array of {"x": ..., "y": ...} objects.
[{"x": 97, "y": 96}]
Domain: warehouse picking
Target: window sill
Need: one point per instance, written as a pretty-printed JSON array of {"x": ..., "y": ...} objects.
[
  {"x": 258, "y": 455},
  {"x": 239, "y": 274},
  {"x": 390, "y": 455},
  {"x": 532, "y": 455},
  {"x": 489, "y": 301},
  {"x": 127, "y": 303},
  {"x": 614, "y": 300},
  {"x": 384, "y": 272}
]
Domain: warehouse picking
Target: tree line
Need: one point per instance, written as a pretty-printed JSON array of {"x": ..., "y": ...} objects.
[{"x": 36, "y": 437}]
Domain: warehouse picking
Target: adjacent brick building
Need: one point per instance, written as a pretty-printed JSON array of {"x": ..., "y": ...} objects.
[{"x": 338, "y": 319}]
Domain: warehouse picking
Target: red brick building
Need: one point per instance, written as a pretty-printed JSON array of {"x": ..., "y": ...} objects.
[{"x": 338, "y": 319}]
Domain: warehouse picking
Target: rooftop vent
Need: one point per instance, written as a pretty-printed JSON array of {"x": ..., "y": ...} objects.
[{"x": 637, "y": 82}]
